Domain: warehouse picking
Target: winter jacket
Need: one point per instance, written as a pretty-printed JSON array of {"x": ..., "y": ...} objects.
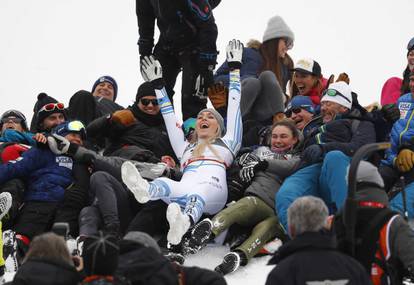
[
  {"x": 316, "y": 93},
  {"x": 47, "y": 175},
  {"x": 402, "y": 131},
  {"x": 10, "y": 135},
  {"x": 144, "y": 265},
  {"x": 149, "y": 137},
  {"x": 347, "y": 133},
  {"x": 183, "y": 25},
  {"x": 265, "y": 184},
  {"x": 311, "y": 258},
  {"x": 251, "y": 64},
  {"x": 46, "y": 272}
]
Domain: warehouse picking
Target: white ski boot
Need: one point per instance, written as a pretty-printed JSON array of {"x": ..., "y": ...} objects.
[
  {"x": 135, "y": 183},
  {"x": 179, "y": 223},
  {"x": 5, "y": 203}
]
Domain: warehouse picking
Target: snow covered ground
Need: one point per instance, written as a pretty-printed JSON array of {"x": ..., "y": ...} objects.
[{"x": 254, "y": 273}]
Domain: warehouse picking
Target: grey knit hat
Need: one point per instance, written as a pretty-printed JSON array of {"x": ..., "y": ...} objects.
[
  {"x": 277, "y": 28},
  {"x": 367, "y": 172},
  {"x": 218, "y": 117},
  {"x": 142, "y": 238}
]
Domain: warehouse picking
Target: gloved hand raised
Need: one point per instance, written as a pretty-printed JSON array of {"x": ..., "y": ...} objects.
[
  {"x": 60, "y": 145},
  {"x": 123, "y": 117},
  {"x": 405, "y": 160},
  {"x": 151, "y": 71},
  {"x": 249, "y": 170},
  {"x": 234, "y": 53}
]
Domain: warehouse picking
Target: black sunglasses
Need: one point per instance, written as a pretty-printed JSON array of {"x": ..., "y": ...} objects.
[
  {"x": 293, "y": 110},
  {"x": 146, "y": 102}
]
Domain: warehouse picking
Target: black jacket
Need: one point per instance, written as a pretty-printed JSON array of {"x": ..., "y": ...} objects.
[
  {"x": 183, "y": 24},
  {"x": 144, "y": 265},
  {"x": 45, "y": 272},
  {"x": 312, "y": 256}
]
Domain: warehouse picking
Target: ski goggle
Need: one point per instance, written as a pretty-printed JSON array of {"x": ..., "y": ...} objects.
[
  {"x": 11, "y": 119},
  {"x": 146, "y": 102},
  {"x": 333, "y": 93},
  {"x": 71, "y": 127},
  {"x": 51, "y": 107}
]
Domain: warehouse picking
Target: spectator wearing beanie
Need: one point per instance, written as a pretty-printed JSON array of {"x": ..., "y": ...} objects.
[
  {"x": 13, "y": 127},
  {"x": 48, "y": 113},
  {"x": 100, "y": 258},
  {"x": 105, "y": 86},
  {"x": 405, "y": 88},
  {"x": 300, "y": 110},
  {"x": 308, "y": 80},
  {"x": 139, "y": 125}
]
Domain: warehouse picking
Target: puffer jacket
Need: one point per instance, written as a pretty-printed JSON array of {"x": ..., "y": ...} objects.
[
  {"x": 265, "y": 184},
  {"x": 47, "y": 175},
  {"x": 402, "y": 130}
]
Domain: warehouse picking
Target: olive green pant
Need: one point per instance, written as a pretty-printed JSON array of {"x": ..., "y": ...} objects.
[{"x": 249, "y": 211}]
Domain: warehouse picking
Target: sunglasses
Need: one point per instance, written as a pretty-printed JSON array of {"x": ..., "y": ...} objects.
[
  {"x": 146, "y": 102},
  {"x": 51, "y": 107},
  {"x": 11, "y": 119},
  {"x": 333, "y": 92},
  {"x": 293, "y": 110}
]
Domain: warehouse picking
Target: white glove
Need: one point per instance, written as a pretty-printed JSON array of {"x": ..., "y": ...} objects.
[
  {"x": 151, "y": 69},
  {"x": 200, "y": 86},
  {"x": 58, "y": 144},
  {"x": 234, "y": 53}
]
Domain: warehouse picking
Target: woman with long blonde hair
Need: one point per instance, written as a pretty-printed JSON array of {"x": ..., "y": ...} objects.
[{"x": 203, "y": 187}]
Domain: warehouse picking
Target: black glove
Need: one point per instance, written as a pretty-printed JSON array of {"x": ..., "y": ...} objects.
[
  {"x": 247, "y": 158},
  {"x": 390, "y": 112},
  {"x": 313, "y": 154},
  {"x": 203, "y": 81},
  {"x": 248, "y": 171}
]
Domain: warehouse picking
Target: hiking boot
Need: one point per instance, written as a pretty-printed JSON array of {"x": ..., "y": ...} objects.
[
  {"x": 200, "y": 236},
  {"x": 5, "y": 203},
  {"x": 135, "y": 183},
  {"x": 179, "y": 223},
  {"x": 231, "y": 262}
]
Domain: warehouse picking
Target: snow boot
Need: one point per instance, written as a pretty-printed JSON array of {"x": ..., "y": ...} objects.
[
  {"x": 231, "y": 262},
  {"x": 135, "y": 183},
  {"x": 179, "y": 223},
  {"x": 5, "y": 203},
  {"x": 200, "y": 236}
]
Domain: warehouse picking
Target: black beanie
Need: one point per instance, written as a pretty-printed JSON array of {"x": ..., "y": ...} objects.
[
  {"x": 145, "y": 89},
  {"x": 42, "y": 100},
  {"x": 100, "y": 254}
]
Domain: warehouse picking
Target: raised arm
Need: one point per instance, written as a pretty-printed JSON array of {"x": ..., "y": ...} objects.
[
  {"x": 152, "y": 72},
  {"x": 234, "y": 126}
]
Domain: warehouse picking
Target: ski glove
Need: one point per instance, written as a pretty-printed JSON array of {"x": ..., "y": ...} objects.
[
  {"x": 124, "y": 117},
  {"x": 313, "y": 154},
  {"x": 60, "y": 145},
  {"x": 405, "y": 160},
  {"x": 151, "y": 71},
  {"x": 234, "y": 53},
  {"x": 248, "y": 171},
  {"x": 217, "y": 94},
  {"x": 247, "y": 158},
  {"x": 390, "y": 112}
]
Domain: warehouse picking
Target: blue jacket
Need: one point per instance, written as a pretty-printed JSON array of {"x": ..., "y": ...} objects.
[
  {"x": 402, "y": 130},
  {"x": 251, "y": 63},
  {"x": 46, "y": 174}
]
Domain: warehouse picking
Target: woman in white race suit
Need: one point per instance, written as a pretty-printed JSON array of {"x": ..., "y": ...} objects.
[{"x": 203, "y": 187}]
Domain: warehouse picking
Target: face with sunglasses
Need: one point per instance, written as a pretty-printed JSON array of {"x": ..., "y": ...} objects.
[
  {"x": 12, "y": 123},
  {"x": 149, "y": 105},
  {"x": 299, "y": 116}
]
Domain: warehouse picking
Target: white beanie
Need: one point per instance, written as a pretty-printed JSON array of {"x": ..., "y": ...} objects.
[
  {"x": 277, "y": 28},
  {"x": 338, "y": 92}
]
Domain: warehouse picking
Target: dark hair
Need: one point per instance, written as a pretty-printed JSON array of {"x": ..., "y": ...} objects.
[
  {"x": 406, "y": 81},
  {"x": 272, "y": 61},
  {"x": 51, "y": 247},
  {"x": 288, "y": 124}
]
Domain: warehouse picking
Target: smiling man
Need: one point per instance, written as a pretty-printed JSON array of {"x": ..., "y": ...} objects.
[{"x": 300, "y": 110}]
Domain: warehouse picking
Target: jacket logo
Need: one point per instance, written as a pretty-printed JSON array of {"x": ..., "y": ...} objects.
[
  {"x": 404, "y": 109},
  {"x": 64, "y": 161}
]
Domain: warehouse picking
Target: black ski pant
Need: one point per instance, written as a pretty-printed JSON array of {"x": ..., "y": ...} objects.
[
  {"x": 111, "y": 204},
  {"x": 151, "y": 219},
  {"x": 174, "y": 62}
]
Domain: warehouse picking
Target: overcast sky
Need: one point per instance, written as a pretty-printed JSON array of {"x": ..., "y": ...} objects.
[{"x": 61, "y": 46}]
